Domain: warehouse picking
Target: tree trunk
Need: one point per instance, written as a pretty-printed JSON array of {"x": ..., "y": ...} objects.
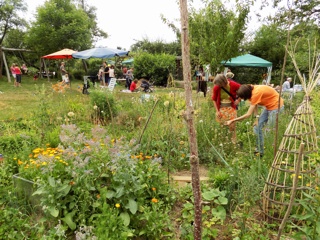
[
  {"x": 1, "y": 61},
  {"x": 188, "y": 116}
]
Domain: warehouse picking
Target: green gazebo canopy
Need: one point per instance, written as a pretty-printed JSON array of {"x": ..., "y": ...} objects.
[{"x": 247, "y": 60}]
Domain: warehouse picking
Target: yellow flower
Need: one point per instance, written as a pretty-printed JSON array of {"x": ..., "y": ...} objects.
[
  {"x": 70, "y": 114},
  {"x": 166, "y": 103},
  {"x": 20, "y": 162},
  {"x": 181, "y": 142},
  {"x": 154, "y": 200},
  {"x": 44, "y": 163},
  {"x": 183, "y": 155},
  {"x": 153, "y": 189},
  {"x": 117, "y": 205}
]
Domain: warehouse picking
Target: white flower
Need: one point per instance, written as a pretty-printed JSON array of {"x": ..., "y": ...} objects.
[
  {"x": 201, "y": 121},
  {"x": 166, "y": 103},
  {"x": 70, "y": 114},
  {"x": 95, "y": 107},
  {"x": 171, "y": 94},
  {"x": 247, "y": 123},
  {"x": 221, "y": 145}
]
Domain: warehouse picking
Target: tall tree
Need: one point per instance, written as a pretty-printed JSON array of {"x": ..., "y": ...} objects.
[
  {"x": 157, "y": 47},
  {"x": 9, "y": 16},
  {"x": 60, "y": 24},
  {"x": 9, "y": 19},
  {"x": 216, "y": 32}
]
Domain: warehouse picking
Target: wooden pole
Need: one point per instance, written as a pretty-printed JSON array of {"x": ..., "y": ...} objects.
[
  {"x": 293, "y": 191},
  {"x": 6, "y": 66},
  {"x": 188, "y": 116}
]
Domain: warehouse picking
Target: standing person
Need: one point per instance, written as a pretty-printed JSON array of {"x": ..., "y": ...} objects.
[
  {"x": 111, "y": 72},
  {"x": 224, "y": 99},
  {"x": 261, "y": 95},
  {"x": 202, "y": 83},
  {"x": 64, "y": 73},
  {"x": 106, "y": 73},
  {"x": 13, "y": 72},
  {"x": 129, "y": 77},
  {"x": 124, "y": 71},
  {"x": 18, "y": 75},
  {"x": 101, "y": 75}
]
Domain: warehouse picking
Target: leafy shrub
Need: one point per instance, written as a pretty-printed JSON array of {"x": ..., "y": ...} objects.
[
  {"x": 104, "y": 106},
  {"x": 154, "y": 66},
  {"x": 76, "y": 180}
]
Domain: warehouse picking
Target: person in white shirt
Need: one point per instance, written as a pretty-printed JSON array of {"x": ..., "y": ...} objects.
[{"x": 286, "y": 85}]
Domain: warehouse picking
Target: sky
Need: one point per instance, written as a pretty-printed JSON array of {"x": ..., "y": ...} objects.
[{"x": 129, "y": 21}]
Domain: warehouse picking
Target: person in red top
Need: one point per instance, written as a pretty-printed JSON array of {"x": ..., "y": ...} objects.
[
  {"x": 261, "y": 95},
  {"x": 224, "y": 99},
  {"x": 18, "y": 76},
  {"x": 133, "y": 86}
]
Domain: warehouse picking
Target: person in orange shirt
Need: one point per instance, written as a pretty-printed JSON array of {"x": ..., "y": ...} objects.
[{"x": 261, "y": 95}]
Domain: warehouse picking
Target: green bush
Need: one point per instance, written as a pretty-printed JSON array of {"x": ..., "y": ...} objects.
[
  {"x": 154, "y": 66},
  {"x": 104, "y": 106}
]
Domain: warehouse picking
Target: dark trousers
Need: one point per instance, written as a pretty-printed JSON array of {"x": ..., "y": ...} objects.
[
  {"x": 202, "y": 87},
  {"x": 128, "y": 83}
]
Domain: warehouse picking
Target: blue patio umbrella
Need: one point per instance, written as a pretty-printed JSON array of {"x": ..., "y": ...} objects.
[{"x": 100, "y": 53}]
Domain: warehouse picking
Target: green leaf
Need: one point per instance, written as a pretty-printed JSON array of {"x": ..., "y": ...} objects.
[
  {"x": 219, "y": 212},
  {"x": 38, "y": 192},
  {"x": 68, "y": 220},
  {"x": 208, "y": 196},
  {"x": 222, "y": 201},
  {"x": 53, "y": 211},
  {"x": 64, "y": 189},
  {"x": 110, "y": 194},
  {"x": 133, "y": 206},
  {"x": 51, "y": 181},
  {"x": 125, "y": 218},
  {"x": 119, "y": 191}
]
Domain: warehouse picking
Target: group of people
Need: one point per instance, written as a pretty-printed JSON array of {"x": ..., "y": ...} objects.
[
  {"x": 16, "y": 73},
  {"x": 227, "y": 94},
  {"x": 105, "y": 73}
]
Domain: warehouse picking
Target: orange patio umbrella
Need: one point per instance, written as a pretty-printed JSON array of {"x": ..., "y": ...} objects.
[{"x": 62, "y": 54}]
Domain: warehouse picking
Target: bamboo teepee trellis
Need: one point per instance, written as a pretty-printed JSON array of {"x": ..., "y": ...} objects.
[{"x": 280, "y": 183}]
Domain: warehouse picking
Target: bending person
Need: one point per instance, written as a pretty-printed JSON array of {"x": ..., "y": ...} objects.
[
  {"x": 261, "y": 95},
  {"x": 224, "y": 99}
]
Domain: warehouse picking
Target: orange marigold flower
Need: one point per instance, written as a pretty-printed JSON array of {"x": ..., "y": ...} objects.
[
  {"x": 71, "y": 183},
  {"x": 20, "y": 162},
  {"x": 153, "y": 189},
  {"x": 154, "y": 200}
]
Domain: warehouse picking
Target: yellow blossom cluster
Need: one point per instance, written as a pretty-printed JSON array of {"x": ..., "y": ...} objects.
[
  {"x": 34, "y": 162},
  {"x": 141, "y": 156},
  {"x": 60, "y": 87}
]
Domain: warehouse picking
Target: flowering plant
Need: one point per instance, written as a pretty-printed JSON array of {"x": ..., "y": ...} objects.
[{"x": 72, "y": 178}]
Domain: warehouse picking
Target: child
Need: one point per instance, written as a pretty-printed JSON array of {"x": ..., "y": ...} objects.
[
  {"x": 18, "y": 76},
  {"x": 35, "y": 77},
  {"x": 66, "y": 79},
  {"x": 133, "y": 86},
  {"x": 100, "y": 75}
]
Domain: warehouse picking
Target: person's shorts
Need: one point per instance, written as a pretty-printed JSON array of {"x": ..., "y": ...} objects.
[
  {"x": 18, "y": 78},
  {"x": 65, "y": 78}
]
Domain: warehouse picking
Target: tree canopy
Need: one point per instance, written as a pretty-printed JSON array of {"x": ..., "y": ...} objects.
[
  {"x": 60, "y": 24},
  {"x": 216, "y": 32},
  {"x": 9, "y": 16}
]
